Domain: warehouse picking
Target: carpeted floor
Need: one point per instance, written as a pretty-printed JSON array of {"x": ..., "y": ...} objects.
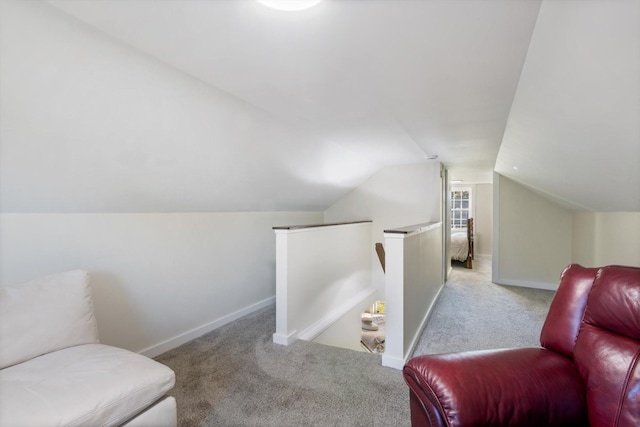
[
  {"x": 474, "y": 314},
  {"x": 236, "y": 376}
]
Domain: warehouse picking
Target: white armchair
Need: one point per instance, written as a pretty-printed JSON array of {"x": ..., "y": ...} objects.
[{"x": 54, "y": 371}]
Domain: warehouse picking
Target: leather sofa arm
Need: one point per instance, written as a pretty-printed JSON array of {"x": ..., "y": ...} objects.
[{"x": 508, "y": 387}]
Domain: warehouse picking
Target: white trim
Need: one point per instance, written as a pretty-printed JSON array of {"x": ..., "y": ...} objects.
[
  {"x": 158, "y": 349},
  {"x": 282, "y": 334},
  {"x": 495, "y": 243},
  {"x": 471, "y": 188},
  {"x": 285, "y": 339},
  {"x": 334, "y": 315},
  {"x": 392, "y": 362},
  {"x": 525, "y": 284},
  {"x": 394, "y": 300}
]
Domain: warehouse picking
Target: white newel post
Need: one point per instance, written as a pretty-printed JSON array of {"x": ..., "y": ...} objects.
[
  {"x": 394, "y": 300},
  {"x": 282, "y": 335},
  {"x": 413, "y": 280}
]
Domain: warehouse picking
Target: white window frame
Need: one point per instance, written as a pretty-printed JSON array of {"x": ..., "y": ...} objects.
[{"x": 456, "y": 225}]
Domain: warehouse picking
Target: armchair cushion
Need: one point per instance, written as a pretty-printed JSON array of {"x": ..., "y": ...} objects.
[
  {"x": 607, "y": 351},
  {"x": 561, "y": 326},
  {"x": 523, "y": 387},
  {"x": 84, "y": 385},
  {"x": 44, "y": 315}
]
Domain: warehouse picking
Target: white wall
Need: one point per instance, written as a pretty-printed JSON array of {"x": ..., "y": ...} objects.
[
  {"x": 394, "y": 197},
  {"x": 604, "y": 238},
  {"x": 322, "y": 273},
  {"x": 159, "y": 279},
  {"x": 532, "y": 237},
  {"x": 584, "y": 239},
  {"x": 483, "y": 220}
]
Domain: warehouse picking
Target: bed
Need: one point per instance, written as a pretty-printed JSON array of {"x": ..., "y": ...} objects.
[{"x": 462, "y": 245}]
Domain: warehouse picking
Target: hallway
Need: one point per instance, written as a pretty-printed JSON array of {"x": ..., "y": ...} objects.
[{"x": 474, "y": 314}]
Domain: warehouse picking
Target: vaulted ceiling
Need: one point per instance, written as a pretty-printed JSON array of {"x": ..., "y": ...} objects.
[
  {"x": 573, "y": 132},
  {"x": 191, "y": 105}
]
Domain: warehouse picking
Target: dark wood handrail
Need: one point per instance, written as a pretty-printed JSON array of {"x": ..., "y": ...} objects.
[
  {"x": 410, "y": 228},
  {"x": 381, "y": 255},
  {"x": 298, "y": 227}
]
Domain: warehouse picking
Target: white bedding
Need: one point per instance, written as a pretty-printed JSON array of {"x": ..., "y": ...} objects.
[{"x": 459, "y": 246}]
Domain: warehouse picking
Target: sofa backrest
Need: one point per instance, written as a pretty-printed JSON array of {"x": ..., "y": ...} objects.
[
  {"x": 566, "y": 311},
  {"x": 44, "y": 315},
  {"x": 607, "y": 351}
]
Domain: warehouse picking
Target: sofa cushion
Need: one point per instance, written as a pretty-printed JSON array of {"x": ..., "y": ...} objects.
[
  {"x": 561, "y": 326},
  {"x": 44, "y": 315},
  {"x": 614, "y": 302},
  {"x": 86, "y": 385},
  {"x": 607, "y": 351}
]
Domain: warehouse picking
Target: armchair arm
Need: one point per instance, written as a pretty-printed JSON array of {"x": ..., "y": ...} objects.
[{"x": 508, "y": 387}]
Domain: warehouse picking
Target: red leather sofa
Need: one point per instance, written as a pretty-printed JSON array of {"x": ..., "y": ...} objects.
[{"x": 587, "y": 372}]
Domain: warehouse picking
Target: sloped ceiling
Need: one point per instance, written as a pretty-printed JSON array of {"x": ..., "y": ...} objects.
[
  {"x": 190, "y": 105},
  {"x": 574, "y": 129}
]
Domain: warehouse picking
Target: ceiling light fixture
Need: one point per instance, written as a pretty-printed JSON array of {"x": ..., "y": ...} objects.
[
  {"x": 431, "y": 156},
  {"x": 289, "y": 5}
]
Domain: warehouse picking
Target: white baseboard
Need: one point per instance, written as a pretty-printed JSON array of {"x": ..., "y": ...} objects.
[
  {"x": 174, "y": 342},
  {"x": 285, "y": 339},
  {"x": 525, "y": 284},
  {"x": 392, "y": 362}
]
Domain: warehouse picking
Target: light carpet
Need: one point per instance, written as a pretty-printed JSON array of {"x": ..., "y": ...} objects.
[
  {"x": 474, "y": 314},
  {"x": 236, "y": 375}
]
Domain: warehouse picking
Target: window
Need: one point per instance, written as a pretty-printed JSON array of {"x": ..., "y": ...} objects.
[{"x": 460, "y": 207}]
